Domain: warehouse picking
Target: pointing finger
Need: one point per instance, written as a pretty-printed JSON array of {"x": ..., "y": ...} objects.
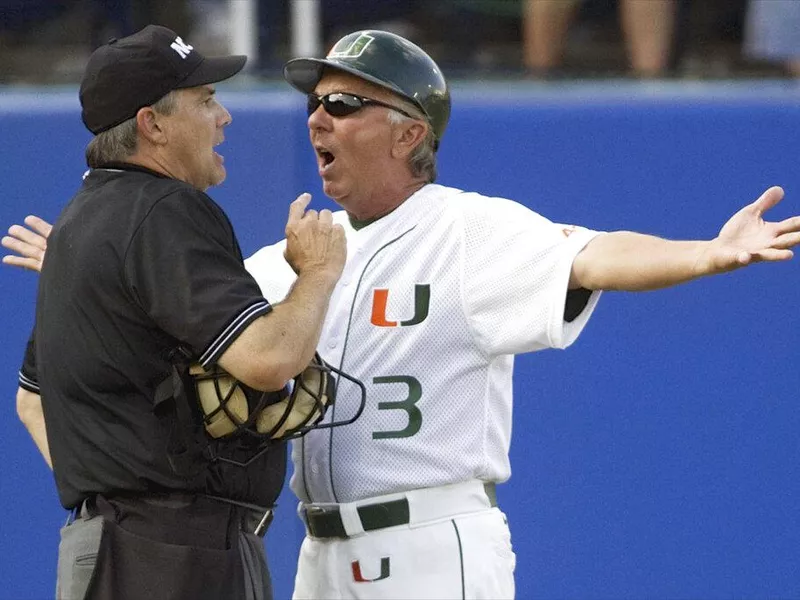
[{"x": 298, "y": 207}]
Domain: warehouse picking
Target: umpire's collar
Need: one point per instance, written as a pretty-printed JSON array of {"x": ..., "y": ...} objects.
[{"x": 123, "y": 166}]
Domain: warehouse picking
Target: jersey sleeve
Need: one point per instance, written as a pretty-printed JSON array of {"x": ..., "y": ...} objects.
[
  {"x": 516, "y": 272},
  {"x": 184, "y": 268},
  {"x": 28, "y": 376}
]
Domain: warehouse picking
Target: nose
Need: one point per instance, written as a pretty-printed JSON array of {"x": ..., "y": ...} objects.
[
  {"x": 319, "y": 119},
  {"x": 225, "y": 117}
]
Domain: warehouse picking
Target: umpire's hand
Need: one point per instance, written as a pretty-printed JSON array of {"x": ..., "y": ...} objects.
[{"x": 313, "y": 242}]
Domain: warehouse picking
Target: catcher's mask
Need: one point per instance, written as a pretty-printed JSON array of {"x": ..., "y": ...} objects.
[{"x": 231, "y": 408}]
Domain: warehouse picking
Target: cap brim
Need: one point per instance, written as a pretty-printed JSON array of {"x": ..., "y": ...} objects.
[{"x": 214, "y": 69}]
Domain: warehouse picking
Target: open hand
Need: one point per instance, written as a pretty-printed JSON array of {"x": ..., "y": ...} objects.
[
  {"x": 747, "y": 238},
  {"x": 29, "y": 243}
]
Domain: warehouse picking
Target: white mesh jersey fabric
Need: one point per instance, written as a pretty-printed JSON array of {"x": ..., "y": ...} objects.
[{"x": 435, "y": 300}]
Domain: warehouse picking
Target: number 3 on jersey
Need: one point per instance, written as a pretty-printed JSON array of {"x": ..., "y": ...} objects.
[{"x": 409, "y": 405}]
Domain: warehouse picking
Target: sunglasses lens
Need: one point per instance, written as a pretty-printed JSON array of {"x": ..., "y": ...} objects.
[
  {"x": 336, "y": 105},
  {"x": 313, "y": 104},
  {"x": 341, "y": 105}
]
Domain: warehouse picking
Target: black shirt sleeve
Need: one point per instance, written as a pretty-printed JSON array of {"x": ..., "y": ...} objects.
[
  {"x": 185, "y": 269},
  {"x": 28, "y": 379}
]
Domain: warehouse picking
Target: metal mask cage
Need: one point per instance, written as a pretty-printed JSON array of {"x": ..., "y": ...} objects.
[{"x": 276, "y": 416}]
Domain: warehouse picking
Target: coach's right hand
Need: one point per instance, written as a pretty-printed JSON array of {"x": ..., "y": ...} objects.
[
  {"x": 28, "y": 242},
  {"x": 313, "y": 242}
]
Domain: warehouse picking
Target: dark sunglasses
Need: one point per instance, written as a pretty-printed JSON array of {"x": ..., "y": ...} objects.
[{"x": 339, "y": 104}]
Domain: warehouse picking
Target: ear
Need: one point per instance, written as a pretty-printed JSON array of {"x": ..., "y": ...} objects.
[
  {"x": 407, "y": 136},
  {"x": 150, "y": 125}
]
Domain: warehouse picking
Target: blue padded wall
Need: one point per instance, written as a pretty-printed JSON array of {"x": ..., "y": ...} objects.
[{"x": 658, "y": 456}]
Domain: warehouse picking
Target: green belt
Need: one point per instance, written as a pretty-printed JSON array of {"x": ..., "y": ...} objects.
[{"x": 326, "y": 522}]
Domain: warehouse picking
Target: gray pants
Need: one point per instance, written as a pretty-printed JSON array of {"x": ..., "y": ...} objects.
[{"x": 80, "y": 542}]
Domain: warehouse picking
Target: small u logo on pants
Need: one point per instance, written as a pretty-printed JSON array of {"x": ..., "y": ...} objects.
[{"x": 359, "y": 578}]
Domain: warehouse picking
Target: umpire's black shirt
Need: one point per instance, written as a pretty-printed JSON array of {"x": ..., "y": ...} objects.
[{"x": 136, "y": 264}]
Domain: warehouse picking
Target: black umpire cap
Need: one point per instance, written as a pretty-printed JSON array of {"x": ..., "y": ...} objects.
[{"x": 127, "y": 74}]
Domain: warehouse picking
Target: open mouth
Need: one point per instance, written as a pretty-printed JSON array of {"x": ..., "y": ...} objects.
[
  {"x": 325, "y": 157},
  {"x": 217, "y": 155}
]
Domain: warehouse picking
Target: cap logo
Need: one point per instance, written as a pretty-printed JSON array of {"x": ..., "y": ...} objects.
[
  {"x": 182, "y": 48},
  {"x": 352, "y": 50}
]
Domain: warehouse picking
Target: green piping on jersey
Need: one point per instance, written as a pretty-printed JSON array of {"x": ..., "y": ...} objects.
[
  {"x": 460, "y": 561},
  {"x": 344, "y": 353}
]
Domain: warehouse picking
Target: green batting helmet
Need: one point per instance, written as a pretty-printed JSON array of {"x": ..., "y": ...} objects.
[{"x": 384, "y": 59}]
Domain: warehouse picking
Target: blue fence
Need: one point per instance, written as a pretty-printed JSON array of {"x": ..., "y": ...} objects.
[{"x": 659, "y": 456}]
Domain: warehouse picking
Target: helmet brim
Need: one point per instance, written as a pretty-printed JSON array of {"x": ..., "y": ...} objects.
[{"x": 305, "y": 73}]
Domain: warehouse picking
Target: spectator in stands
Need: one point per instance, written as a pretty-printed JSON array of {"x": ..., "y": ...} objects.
[
  {"x": 120, "y": 18},
  {"x": 771, "y": 32},
  {"x": 647, "y": 25}
]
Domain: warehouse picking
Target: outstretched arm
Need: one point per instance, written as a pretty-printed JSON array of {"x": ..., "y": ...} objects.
[
  {"x": 621, "y": 260},
  {"x": 28, "y": 244},
  {"x": 629, "y": 261},
  {"x": 29, "y": 410}
]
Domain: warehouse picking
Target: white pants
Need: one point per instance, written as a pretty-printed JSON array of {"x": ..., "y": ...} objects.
[{"x": 455, "y": 546}]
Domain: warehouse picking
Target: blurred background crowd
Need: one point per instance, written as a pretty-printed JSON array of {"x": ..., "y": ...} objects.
[{"x": 48, "y": 41}]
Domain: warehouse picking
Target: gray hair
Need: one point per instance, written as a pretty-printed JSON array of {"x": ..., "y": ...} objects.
[
  {"x": 119, "y": 142},
  {"x": 422, "y": 161}
]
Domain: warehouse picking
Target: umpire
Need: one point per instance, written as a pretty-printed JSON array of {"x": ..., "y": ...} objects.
[{"x": 143, "y": 276}]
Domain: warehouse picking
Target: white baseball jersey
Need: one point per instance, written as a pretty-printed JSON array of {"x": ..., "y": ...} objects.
[{"x": 435, "y": 300}]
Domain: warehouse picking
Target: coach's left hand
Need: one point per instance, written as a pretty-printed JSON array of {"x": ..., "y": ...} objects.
[{"x": 747, "y": 238}]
